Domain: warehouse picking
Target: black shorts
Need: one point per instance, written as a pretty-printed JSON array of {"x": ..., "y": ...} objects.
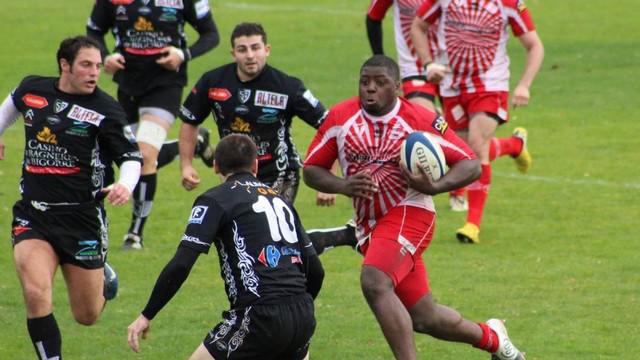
[
  {"x": 77, "y": 233},
  {"x": 166, "y": 98},
  {"x": 286, "y": 183},
  {"x": 265, "y": 332}
]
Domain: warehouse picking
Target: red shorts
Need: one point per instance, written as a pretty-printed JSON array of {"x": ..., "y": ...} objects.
[
  {"x": 396, "y": 246},
  {"x": 458, "y": 108},
  {"x": 418, "y": 86}
]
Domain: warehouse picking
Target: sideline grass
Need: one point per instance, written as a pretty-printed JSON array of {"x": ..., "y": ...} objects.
[{"x": 558, "y": 257}]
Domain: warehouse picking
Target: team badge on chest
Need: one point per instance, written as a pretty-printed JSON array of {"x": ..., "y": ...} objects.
[{"x": 244, "y": 95}]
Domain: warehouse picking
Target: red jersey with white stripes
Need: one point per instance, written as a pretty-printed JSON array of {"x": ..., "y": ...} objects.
[
  {"x": 472, "y": 36},
  {"x": 363, "y": 142},
  {"x": 403, "y": 13}
]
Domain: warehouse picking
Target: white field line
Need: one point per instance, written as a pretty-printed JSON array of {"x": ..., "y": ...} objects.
[
  {"x": 571, "y": 181},
  {"x": 291, "y": 8}
]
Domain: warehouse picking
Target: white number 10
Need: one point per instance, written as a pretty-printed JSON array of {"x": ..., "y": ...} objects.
[{"x": 280, "y": 218}]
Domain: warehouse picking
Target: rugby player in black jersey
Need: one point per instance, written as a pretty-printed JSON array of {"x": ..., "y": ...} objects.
[
  {"x": 69, "y": 125},
  {"x": 270, "y": 269},
  {"x": 150, "y": 66}
]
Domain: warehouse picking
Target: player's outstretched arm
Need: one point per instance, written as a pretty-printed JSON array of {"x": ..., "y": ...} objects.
[{"x": 357, "y": 185}]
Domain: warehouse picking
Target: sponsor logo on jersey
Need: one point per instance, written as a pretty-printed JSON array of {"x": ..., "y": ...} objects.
[
  {"x": 202, "y": 8},
  {"x": 244, "y": 95},
  {"x": 187, "y": 113},
  {"x": 79, "y": 128},
  {"x": 197, "y": 214},
  {"x": 35, "y": 101},
  {"x": 194, "y": 240},
  {"x": 310, "y": 98},
  {"x": 174, "y": 4},
  {"x": 143, "y": 24},
  {"x": 219, "y": 94},
  {"x": 121, "y": 13},
  {"x": 271, "y": 99},
  {"x": 53, "y": 119},
  {"x": 28, "y": 117},
  {"x": 267, "y": 119},
  {"x": 440, "y": 125},
  {"x": 169, "y": 14},
  {"x": 121, "y": 2},
  {"x": 83, "y": 114},
  {"x": 59, "y": 105},
  {"x": 242, "y": 109},
  {"x": 270, "y": 256},
  {"x": 46, "y": 136},
  {"x": 239, "y": 125}
]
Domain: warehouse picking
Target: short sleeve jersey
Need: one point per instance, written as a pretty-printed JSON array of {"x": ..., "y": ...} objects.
[
  {"x": 363, "y": 142},
  {"x": 472, "y": 37},
  {"x": 262, "y": 108},
  {"x": 258, "y": 237},
  {"x": 141, "y": 29},
  {"x": 66, "y": 135},
  {"x": 403, "y": 14}
]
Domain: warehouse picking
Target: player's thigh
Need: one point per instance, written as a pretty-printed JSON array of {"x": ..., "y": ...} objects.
[
  {"x": 482, "y": 129},
  {"x": 85, "y": 288},
  {"x": 36, "y": 263},
  {"x": 201, "y": 353}
]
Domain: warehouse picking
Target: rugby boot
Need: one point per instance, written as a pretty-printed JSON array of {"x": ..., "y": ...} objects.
[
  {"x": 506, "y": 349},
  {"x": 458, "y": 203},
  {"x": 523, "y": 160},
  {"x": 469, "y": 233},
  {"x": 203, "y": 148},
  {"x": 132, "y": 242},
  {"x": 110, "y": 288}
]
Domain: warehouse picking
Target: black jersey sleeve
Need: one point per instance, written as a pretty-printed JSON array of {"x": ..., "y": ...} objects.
[
  {"x": 195, "y": 108},
  {"x": 200, "y": 17},
  {"x": 374, "y": 33},
  {"x": 170, "y": 280},
  {"x": 306, "y": 106},
  {"x": 203, "y": 224},
  {"x": 311, "y": 264},
  {"x": 99, "y": 23},
  {"x": 114, "y": 138}
]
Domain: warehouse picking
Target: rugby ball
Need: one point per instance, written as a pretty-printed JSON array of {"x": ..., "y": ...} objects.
[{"x": 422, "y": 149}]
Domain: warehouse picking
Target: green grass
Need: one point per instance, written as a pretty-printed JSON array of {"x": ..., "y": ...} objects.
[{"x": 559, "y": 255}]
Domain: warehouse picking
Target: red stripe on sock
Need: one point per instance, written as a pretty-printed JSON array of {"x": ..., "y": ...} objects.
[{"x": 489, "y": 339}]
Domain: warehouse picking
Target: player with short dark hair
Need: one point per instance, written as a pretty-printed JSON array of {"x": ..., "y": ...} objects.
[
  {"x": 395, "y": 210},
  {"x": 270, "y": 269},
  {"x": 150, "y": 66},
  {"x": 70, "y": 124},
  {"x": 250, "y": 97}
]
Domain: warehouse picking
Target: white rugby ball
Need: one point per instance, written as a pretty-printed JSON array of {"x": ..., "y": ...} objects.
[{"x": 422, "y": 149}]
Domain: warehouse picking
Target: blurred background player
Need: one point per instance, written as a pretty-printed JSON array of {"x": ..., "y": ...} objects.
[
  {"x": 60, "y": 220},
  {"x": 271, "y": 272},
  {"x": 472, "y": 67},
  {"x": 150, "y": 66},
  {"x": 394, "y": 209},
  {"x": 250, "y": 97}
]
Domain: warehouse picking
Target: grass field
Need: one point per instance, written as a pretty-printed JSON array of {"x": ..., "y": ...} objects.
[{"x": 559, "y": 257}]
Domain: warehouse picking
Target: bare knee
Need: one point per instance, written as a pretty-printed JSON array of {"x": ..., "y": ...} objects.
[
  {"x": 86, "y": 316},
  {"x": 374, "y": 282},
  {"x": 37, "y": 299}
]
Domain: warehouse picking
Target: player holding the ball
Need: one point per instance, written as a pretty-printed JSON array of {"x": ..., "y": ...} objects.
[{"x": 395, "y": 213}]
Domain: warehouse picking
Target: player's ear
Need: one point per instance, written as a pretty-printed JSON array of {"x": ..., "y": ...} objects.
[
  {"x": 254, "y": 167},
  {"x": 267, "y": 49},
  {"x": 64, "y": 65}
]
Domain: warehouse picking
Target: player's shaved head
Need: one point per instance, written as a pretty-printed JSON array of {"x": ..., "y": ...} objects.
[
  {"x": 235, "y": 153},
  {"x": 70, "y": 47},
  {"x": 248, "y": 29},
  {"x": 386, "y": 62}
]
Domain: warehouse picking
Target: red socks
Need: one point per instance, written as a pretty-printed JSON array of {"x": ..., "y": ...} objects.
[
  {"x": 477, "y": 195},
  {"x": 511, "y": 146},
  {"x": 489, "y": 340}
]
